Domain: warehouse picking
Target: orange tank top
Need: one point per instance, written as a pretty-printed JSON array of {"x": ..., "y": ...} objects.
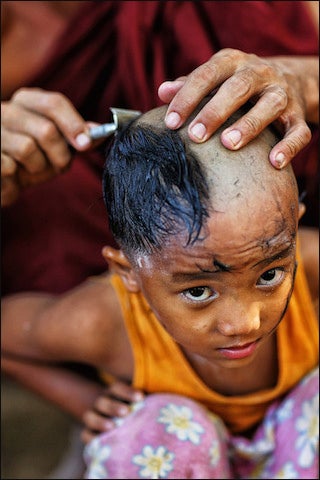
[{"x": 160, "y": 365}]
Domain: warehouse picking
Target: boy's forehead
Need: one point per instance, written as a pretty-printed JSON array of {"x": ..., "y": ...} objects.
[{"x": 228, "y": 243}]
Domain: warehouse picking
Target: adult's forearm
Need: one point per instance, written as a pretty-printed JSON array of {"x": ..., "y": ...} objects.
[
  {"x": 306, "y": 70},
  {"x": 64, "y": 388}
]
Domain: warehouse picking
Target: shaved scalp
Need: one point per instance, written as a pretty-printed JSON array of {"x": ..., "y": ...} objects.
[
  {"x": 231, "y": 172},
  {"x": 158, "y": 183}
]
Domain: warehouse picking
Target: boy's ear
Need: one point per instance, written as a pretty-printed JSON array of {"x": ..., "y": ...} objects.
[
  {"x": 302, "y": 210},
  {"x": 119, "y": 263}
]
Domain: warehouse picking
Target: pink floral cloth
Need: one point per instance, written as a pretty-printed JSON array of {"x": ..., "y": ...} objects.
[{"x": 170, "y": 436}]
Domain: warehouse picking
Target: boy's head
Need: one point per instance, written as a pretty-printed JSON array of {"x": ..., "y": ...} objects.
[
  {"x": 158, "y": 184},
  {"x": 206, "y": 234}
]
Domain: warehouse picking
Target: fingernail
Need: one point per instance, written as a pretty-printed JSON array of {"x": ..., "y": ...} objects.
[
  {"x": 199, "y": 131},
  {"x": 83, "y": 140},
  {"x": 176, "y": 83},
  {"x": 279, "y": 160},
  {"x": 173, "y": 120},
  {"x": 123, "y": 410},
  {"x": 108, "y": 424},
  {"x": 137, "y": 396},
  {"x": 234, "y": 136}
]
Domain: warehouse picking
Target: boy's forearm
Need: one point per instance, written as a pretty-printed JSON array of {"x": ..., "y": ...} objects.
[{"x": 64, "y": 388}]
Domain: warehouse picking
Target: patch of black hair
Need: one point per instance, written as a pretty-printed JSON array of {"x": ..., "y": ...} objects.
[{"x": 152, "y": 189}]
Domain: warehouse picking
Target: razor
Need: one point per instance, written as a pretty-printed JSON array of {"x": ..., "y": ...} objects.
[{"x": 121, "y": 117}]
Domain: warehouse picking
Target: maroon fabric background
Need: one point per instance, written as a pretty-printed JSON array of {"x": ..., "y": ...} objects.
[{"x": 116, "y": 53}]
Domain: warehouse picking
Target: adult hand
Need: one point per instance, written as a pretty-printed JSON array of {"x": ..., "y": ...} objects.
[
  {"x": 115, "y": 402},
  {"x": 282, "y": 89},
  {"x": 37, "y": 129}
]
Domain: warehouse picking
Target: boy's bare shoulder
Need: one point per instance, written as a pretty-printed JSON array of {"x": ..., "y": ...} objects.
[
  {"x": 85, "y": 324},
  {"x": 95, "y": 305},
  {"x": 107, "y": 330}
]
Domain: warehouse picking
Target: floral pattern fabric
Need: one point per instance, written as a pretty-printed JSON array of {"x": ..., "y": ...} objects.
[{"x": 170, "y": 436}]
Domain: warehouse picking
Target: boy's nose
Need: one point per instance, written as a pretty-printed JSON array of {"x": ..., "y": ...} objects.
[{"x": 241, "y": 320}]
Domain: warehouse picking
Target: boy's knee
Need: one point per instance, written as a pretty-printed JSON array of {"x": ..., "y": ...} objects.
[{"x": 168, "y": 428}]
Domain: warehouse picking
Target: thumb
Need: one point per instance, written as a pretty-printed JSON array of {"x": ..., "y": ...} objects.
[{"x": 82, "y": 141}]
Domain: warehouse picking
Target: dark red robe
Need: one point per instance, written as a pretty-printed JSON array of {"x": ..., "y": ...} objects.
[{"x": 117, "y": 53}]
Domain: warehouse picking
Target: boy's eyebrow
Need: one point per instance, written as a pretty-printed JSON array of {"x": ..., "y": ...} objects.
[
  {"x": 277, "y": 256},
  {"x": 221, "y": 267},
  {"x": 182, "y": 277},
  {"x": 203, "y": 273}
]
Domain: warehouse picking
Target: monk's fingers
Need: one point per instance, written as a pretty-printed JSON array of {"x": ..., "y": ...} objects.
[
  {"x": 10, "y": 190},
  {"x": 233, "y": 93},
  {"x": 297, "y": 136},
  {"x": 203, "y": 80},
  {"x": 287, "y": 114},
  {"x": 58, "y": 109},
  {"x": 8, "y": 165},
  {"x": 27, "y": 179},
  {"x": 23, "y": 150},
  {"x": 40, "y": 134},
  {"x": 169, "y": 89}
]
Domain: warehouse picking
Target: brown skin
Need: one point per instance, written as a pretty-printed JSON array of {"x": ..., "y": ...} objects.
[
  {"x": 38, "y": 126},
  {"x": 54, "y": 383},
  {"x": 34, "y": 118},
  {"x": 107, "y": 406},
  {"x": 283, "y": 91},
  {"x": 255, "y": 217}
]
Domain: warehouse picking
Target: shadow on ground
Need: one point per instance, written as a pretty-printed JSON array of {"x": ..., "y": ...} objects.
[{"x": 35, "y": 436}]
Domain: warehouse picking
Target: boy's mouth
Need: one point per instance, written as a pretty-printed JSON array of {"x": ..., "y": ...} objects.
[{"x": 239, "y": 351}]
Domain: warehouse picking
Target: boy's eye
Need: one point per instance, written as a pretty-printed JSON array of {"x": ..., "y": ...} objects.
[
  {"x": 271, "y": 277},
  {"x": 198, "y": 294}
]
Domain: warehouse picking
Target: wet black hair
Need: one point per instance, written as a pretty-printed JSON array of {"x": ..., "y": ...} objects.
[{"x": 152, "y": 189}]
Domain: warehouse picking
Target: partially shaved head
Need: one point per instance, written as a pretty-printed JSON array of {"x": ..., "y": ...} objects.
[
  {"x": 227, "y": 172},
  {"x": 161, "y": 183}
]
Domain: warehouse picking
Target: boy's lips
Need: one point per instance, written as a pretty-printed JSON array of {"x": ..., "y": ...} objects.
[{"x": 239, "y": 351}]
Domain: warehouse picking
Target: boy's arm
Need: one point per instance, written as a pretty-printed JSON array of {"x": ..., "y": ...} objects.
[
  {"x": 63, "y": 387},
  {"x": 82, "y": 325}
]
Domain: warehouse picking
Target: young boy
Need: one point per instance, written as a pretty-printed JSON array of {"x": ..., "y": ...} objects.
[{"x": 200, "y": 303}]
